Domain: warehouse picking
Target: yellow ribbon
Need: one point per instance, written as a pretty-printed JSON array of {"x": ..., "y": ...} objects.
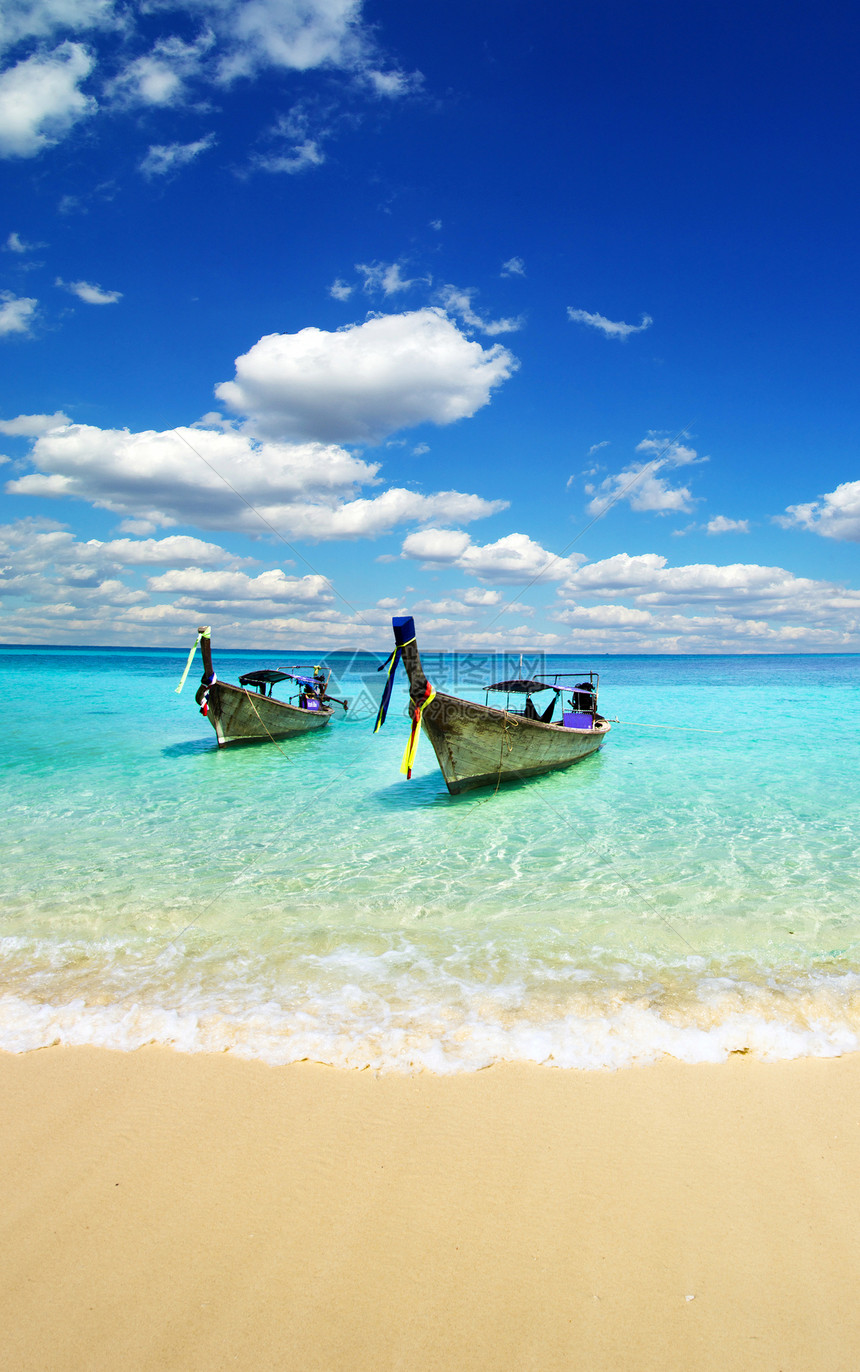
[
  {"x": 412, "y": 746},
  {"x": 204, "y": 634}
]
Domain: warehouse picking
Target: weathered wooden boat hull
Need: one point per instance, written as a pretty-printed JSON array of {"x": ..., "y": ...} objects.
[
  {"x": 477, "y": 745},
  {"x": 240, "y": 716}
]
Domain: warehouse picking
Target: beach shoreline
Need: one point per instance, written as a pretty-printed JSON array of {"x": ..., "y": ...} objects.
[{"x": 166, "y": 1211}]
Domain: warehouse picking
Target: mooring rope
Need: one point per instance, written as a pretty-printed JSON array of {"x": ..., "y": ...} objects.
[
  {"x": 682, "y": 728},
  {"x": 506, "y": 719},
  {"x": 272, "y": 739}
]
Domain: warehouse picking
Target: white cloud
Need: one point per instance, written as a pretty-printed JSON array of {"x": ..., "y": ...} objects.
[
  {"x": 299, "y": 37},
  {"x": 650, "y": 581},
  {"x": 514, "y": 559},
  {"x": 31, "y": 425},
  {"x": 17, "y": 313},
  {"x": 650, "y": 493},
  {"x": 175, "y": 550},
  {"x": 618, "y": 630},
  {"x": 655, "y": 607},
  {"x": 301, "y": 155},
  {"x": 40, "y": 99},
  {"x": 158, "y": 474},
  {"x": 296, "y": 141},
  {"x": 835, "y": 515},
  {"x": 459, "y": 302},
  {"x": 15, "y": 243},
  {"x": 640, "y": 484},
  {"x": 605, "y": 616},
  {"x": 53, "y": 587},
  {"x": 513, "y": 267},
  {"x": 383, "y": 276},
  {"x": 149, "y": 81},
  {"x": 163, "y": 158},
  {"x": 671, "y": 451},
  {"x": 481, "y": 596},
  {"x": 230, "y": 587},
  {"x": 90, "y": 294},
  {"x": 608, "y": 327},
  {"x": 301, "y": 490},
  {"x": 720, "y": 524},
  {"x": 161, "y": 75},
  {"x": 340, "y": 290},
  {"x": 203, "y": 43},
  {"x": 367, "y": 380},
  {"x": 393, "y": 84},
  {"x": 464, "y": 608},
  {"x": 33, "y": 544},
  {"x": 443, "y": 547},
  {"x": 589, "y": 471},
  {"x": 20, "y": 19},
  {"x": 440, "y": 607},
  {"x": 752, "y": 608}
]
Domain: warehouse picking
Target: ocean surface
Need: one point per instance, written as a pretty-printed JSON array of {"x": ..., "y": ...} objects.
[{"x": 692, "y": 890}]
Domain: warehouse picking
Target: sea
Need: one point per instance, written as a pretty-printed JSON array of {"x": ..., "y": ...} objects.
[{"x": 691, "y": 891}]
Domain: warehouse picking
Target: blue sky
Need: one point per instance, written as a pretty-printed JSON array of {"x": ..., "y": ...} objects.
[{"x": 536, "y": 320}]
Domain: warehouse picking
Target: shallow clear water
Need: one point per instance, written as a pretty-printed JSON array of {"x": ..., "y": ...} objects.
[{"x": 691, "y": 890}]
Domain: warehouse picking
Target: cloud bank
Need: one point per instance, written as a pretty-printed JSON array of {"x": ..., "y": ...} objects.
[{"x": 194, "y": 476}]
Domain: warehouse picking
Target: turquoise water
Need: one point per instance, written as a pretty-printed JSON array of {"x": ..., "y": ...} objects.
[{"x": 691, "y": 890}]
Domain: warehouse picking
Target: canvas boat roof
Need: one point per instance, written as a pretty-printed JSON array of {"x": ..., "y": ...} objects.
[
  {"x": 269, "y": 675},
  {"x": 525, "y": 688}
]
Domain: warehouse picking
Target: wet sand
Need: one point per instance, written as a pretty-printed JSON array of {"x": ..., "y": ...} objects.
[{"x": 198, "y": 1213}]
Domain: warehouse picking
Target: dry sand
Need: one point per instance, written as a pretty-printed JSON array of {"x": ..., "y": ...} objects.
[{"x": 169, "y": 1212}]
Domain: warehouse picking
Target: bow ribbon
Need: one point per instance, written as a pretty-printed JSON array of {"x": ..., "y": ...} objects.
[{"x": 412, "y": 746}]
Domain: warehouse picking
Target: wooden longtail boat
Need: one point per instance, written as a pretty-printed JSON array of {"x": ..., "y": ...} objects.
[
  {"x": 480, "y": 745},
  {"x": 249, "y": 713}
]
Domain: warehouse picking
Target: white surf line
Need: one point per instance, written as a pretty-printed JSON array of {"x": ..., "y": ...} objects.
[{"x": 682, "y": 433}]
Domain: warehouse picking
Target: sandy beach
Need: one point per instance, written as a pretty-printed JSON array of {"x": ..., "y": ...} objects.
[{"x": 176, "y": 1212}]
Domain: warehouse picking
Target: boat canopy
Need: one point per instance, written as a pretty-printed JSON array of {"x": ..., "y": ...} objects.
[
  {"x": 525, "y": 688},
  {"x": 269, "y": 675}
]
